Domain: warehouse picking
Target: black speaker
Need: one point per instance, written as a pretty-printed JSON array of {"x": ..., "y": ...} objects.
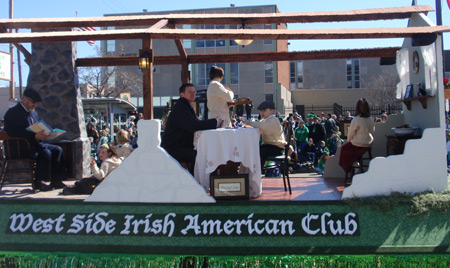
[
  {"x": 240, "y": 110},
  {"x": 418, "y": 40},
  {"x": 388, "y": 60}
]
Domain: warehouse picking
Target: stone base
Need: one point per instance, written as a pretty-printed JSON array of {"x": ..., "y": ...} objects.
[{"x": 82, "y": 154}]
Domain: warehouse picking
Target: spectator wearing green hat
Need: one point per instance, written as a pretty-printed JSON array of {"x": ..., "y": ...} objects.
[{"x": 317, "y": 132}]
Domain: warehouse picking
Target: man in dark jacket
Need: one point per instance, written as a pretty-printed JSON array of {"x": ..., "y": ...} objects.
[
  {"x": 317, "y": 132},
  {"x": 181, "y": 124},
  {"x": 330, "y": 125},
  {"x": 49, "y": 157}
]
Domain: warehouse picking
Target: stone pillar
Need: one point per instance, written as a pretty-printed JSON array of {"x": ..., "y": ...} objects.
[{"x": 54, "y": 75}]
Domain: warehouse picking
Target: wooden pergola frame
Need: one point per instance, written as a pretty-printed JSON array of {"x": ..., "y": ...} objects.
[{"x": 164, "y": 27}]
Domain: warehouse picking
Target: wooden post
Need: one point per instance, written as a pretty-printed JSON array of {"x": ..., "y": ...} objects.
[
  {"x": 148, "y": 81},
  {"x": 185, "y": 75}
]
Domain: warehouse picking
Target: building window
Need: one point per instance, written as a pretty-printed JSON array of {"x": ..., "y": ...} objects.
[
  {"x": 200, "y": 43},
  {"x": 232, "y": 43},
  {"x": 187, "y": 43},
  {"x": 110, "y": 44},
  {"x": 234, "y": 73},
  {"x": 165, "y": 100},
  {"x": 268, "y": 42},
  {"x": 220, "y": 43},
  {"x": 353, "y": 75},
  {"x": 299, "y": 74},
  {"x": 210, "y": 43},
  {"x": 292, "y": 83},
  {"x": 268, "y": 97},
  {"x": 268, "y": 72},
  {"x": 111, "y": 78},
  {"x": 157, "y": 101},
  {"x": 202, "y": 77},
  {"x": 296, "y": 74}
]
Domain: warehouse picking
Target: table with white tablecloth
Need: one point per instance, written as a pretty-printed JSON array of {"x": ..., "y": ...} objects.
[{"x": 216, "y": 147}]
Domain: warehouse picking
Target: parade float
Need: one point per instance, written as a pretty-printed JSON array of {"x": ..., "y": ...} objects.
[{"x": 153, "y": 213}]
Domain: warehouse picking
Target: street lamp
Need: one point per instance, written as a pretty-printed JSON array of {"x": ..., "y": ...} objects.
[
  {"x": 241, "y": 42},
  {"x": 145, "y": 58}
]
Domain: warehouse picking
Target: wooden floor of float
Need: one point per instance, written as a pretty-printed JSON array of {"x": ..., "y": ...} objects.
[{"x": 305, "y": 187}]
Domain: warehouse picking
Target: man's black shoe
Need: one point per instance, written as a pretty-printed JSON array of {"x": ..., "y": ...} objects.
[
  {"x": 69, "y": 191},
  {"x": 57, "y": 185},
  {"x": 41, "y": 186}
]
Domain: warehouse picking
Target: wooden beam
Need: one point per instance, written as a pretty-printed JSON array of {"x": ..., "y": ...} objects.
[
  {"x": 218, "y": 19},
  {"x": 160, "y": 24},
  {"x": 24, "y": 51},
  {"x": 284, "y": 34},
  {"x": 289, "y": 56},
  {"x": 180, "y": 48},
  {"x": 126, "y": 61},
  {"x": 19, "y": 47},
  {"x": 227, "y": 34},
  {"x": 185, "y": 75},
  {"x": 247, "y": 57},
  {"x": 179, "y": 44}
]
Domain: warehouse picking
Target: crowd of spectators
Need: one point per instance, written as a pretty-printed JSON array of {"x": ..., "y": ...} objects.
[
  {"x": 317, "y": 137},
  {"x": 107, "y": 153},
  {"x": 314, "y": 139}
]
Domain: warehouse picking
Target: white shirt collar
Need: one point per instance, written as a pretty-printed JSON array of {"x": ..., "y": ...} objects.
[{"x": 24, "y": 107}]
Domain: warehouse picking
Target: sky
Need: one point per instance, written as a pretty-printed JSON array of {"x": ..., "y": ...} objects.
[{"x": 98, "y": 8}]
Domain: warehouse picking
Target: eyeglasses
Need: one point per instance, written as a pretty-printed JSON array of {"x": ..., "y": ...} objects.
[{"x": 31, "y": 100}]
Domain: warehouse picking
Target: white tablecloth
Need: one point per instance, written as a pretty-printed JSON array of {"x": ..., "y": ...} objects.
[{"x": 216, "y": 147}]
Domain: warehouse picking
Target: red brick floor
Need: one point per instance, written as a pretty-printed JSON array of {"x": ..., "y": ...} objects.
[{"x": 305, "y": 187}]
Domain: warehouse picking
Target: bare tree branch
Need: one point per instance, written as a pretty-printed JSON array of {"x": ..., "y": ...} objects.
[
  {"x": 98, "y": 79},
  {"x": 383, "y": 88}
]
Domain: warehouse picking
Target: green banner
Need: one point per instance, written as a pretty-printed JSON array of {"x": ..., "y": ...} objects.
[{"x": 239, "y": 228}]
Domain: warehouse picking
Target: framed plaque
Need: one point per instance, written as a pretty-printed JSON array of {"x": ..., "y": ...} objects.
[
  {"x": 408, "y": 92},
  {"x": 229, "y": 186}
]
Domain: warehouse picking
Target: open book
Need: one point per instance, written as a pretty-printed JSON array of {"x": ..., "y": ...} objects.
[{"x": 41, "y": 125}]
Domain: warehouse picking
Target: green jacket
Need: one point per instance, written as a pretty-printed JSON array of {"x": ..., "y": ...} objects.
[{"x": 301, "y": 134}]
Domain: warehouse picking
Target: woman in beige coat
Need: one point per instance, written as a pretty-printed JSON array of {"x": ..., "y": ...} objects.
[{"x": 360, "y": 136}]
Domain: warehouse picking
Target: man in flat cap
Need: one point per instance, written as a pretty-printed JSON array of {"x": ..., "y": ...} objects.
[
  {"x": 49, "y": 157},
  {"x": 271, "y": 132}
]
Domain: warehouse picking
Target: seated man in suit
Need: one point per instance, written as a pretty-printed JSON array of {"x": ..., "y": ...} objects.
[
  {"x": 178, "y": 137},
  {"x": 49, "y": 157}
]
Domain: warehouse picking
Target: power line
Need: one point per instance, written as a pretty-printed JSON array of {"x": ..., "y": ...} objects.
[
  {"x": 110, "y": 7},
  {"x": 120, "y": 5}
]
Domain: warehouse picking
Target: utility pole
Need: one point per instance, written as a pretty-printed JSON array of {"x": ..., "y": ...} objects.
[
  {"x": 19, "y": 68},
  {"x": 439, "y": 22},
  {"x": 11, "y": 51}
]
